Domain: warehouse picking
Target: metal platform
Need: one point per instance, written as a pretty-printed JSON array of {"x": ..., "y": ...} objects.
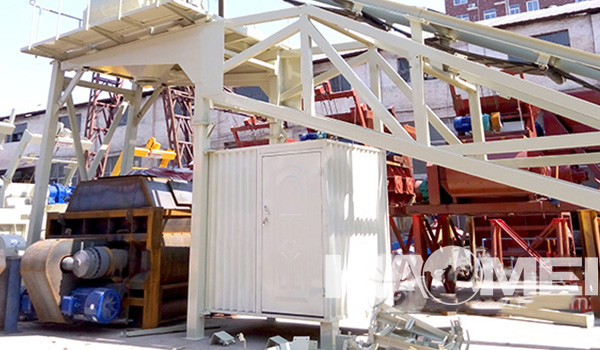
[{"x": 126, "y": 27}]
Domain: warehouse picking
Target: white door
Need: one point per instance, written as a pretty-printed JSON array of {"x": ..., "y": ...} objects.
[{"x": 292, "y": 246}]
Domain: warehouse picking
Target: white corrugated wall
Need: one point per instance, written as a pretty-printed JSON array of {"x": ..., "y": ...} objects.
[
  {"x": 232, "y": 231},
  {"x": 355, "y": 225},
  {"x": 357, "y": 217}
]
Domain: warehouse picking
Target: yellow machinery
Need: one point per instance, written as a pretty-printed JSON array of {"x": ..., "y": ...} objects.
[{"x": 151, "y": 151}]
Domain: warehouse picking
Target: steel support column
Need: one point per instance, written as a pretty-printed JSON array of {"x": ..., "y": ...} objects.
[
  {"x": 421, "y": 117},
  {"x": 477, "y": 119},
  {"x": 44, "y": 164},
  {"x": 375, "y": 84},
  {"x": 131, "y": 132},
  {"x": 198, "y": 247}
]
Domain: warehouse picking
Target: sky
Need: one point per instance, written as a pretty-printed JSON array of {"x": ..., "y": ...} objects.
[{"x": 26, "y": 78}]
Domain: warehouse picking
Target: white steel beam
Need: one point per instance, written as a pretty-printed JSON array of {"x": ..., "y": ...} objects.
[
  {"x": 264, "y": 17},
  {"x": 325, "y": 76},
  {"x": 507, "y": 85},
  {"x": 556, "y": 160},
  {"x": 364, "y": 39},
  {"x": 560, "y": 103},
  {"x": 306, "y": 67},
  {"x": 107, "y": 139},
  {"x": 87, "y": 84},
  {"x": 260, "y": 47},
  {"x": 375, "y": 83},
  {"x": 70, "y": 87},
  {"x": 208, "y": 80},
  {"x": 11, "y": 168},
  {"x": 450, "y": 79},
  {"x": 149, "y": 102},
  {"x": 198, "y": 241},
  {"x": 525, "y": 180},
  {"x": 246, "y": 79},
  {"x": 476, "y": 119},
  {"x": 417, "y": 83},
  {"x": 109, "y": 35},
  {"x": 531, "y": 144},
  {"x": 76, "y": 134},
  {"x": 253, "y": 61},
  {"x": 364, "y": 92},
  {"x": 510, "y": 43},
  {"x": 434, "y": 119},
  {"x": 131, "y": 132},
  {"x": 42, "y": 169},
  {"x": 342, "y": 47}
]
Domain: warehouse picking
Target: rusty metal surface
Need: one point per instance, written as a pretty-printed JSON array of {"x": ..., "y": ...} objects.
[{"x": 43, "y": 278}]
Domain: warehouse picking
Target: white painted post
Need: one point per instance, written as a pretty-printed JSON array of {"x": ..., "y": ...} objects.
[
  {"x": 418, "y": 88},
  {"x": 75, "y": 132},
  {"x": 275, "y": 125},
  {"x": 203, "y": 63},
  {"x": 198, "y": 250},
  {"x": 328, "y": 332},
  {"x": 44, "y": 164},
  {"x": 306, "y": 70},
  {"x": 375, "y": 82},
  {"x": 131, "y": 132},
  {"x": 476, "y": 119}
]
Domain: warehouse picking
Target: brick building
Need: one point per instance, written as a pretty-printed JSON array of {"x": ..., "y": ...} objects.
[{"x": 477, "y": 10}]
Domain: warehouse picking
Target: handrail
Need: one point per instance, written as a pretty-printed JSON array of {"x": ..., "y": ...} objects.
[{"x": 36, "y": 8}]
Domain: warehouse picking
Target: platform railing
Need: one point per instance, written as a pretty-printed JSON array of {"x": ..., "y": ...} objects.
[{"x": 36, "y": 19}]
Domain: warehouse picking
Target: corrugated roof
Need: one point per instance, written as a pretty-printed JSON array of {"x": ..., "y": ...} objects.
[{"x": 544, "y": 14}]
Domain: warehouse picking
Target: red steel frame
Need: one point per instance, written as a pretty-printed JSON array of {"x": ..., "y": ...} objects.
[
  {"x": 178, "y": 103},
  {"x": 100, "y": 115}
]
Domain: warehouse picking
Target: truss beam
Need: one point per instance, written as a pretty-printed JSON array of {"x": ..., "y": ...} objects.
[{"x": 525, "y": 180}]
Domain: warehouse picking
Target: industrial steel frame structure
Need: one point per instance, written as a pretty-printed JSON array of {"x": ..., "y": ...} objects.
[{"x": 174, "y": 43}]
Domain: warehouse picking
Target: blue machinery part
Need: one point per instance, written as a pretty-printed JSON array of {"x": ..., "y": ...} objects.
[
  {"x": 313, "y": 136},
  {"x": 100, "y": 305},
  {"x": 58, "y": 193},
  {"x": 463, "y": 124},
  {"x": 13, "y": 294}
]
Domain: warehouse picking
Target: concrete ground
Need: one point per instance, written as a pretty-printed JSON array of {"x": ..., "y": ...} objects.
[{"x": 485, "y": 333}]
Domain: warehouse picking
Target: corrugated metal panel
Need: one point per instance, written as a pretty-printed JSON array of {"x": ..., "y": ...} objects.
[
  {"x": 357, "y": 217},
  {"x": 232, "y": 231},
  {"x": 354, "y": 226}
]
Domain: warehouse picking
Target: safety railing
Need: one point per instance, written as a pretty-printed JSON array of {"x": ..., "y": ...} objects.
[{"x": 36, "y": 19}]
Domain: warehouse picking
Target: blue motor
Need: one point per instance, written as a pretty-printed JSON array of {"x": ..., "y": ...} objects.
[
  {"x": 58, "y": 193},
  {"x": 463, "y": 124},
  {"x": 100, "y": 305},
  {"x": 307, "y": 136}
]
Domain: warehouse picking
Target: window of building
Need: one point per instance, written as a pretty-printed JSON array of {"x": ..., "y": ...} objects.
[
  {"x": 561, "y": 37},
  {"x": 460, "y": 2},
  {"x": 17, "y": 133},
  {"x": 465, "y": 17},
  {"x": 404, "y": 69},
  {"x": 123, "y": 120},
  {"x": 514, "y": 9},
  {"x": 339, "y": 83},
  {"x": 67, "y": 123},
  {"x": 488, "y": 14},
  {"x": 254, "y": 92},
  {"x": 533, "y": 5}
]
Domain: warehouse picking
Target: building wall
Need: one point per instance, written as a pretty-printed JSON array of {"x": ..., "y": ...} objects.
[{"x": 475, "y": 8}]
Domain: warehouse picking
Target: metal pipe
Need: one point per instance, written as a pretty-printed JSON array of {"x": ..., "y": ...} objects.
[
  {"x": 59, "y": 14},
  {"x": 13, "y": 294}
]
